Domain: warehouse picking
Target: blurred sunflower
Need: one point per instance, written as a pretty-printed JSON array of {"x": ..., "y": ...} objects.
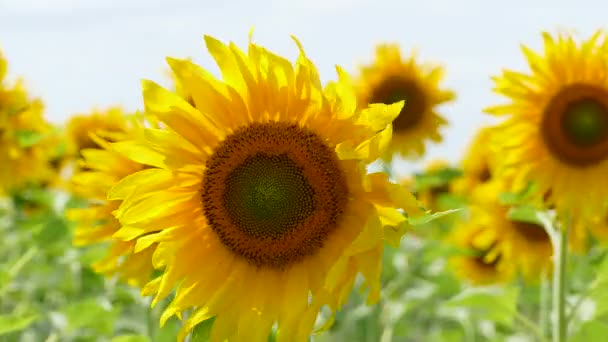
[
  {"x": 260, "y": 204},
  {"x": 481, "y": 260},
  {"x": 556, "y": 131},
  {"x": 24, "y": 153},
  {"x": 101, "y": 168},
  {"x": 111, "y": 123},
  {"x": 391, "y": 79},
  {"x": 526, "y": 245},
  {"x": 478, "y": 165}
]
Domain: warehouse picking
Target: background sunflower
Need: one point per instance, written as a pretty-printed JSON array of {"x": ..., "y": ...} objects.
[
  {"x": 392, "y": 78},
  {"x": 25, "y": 152},
  {"x": 555, "y": 131}
]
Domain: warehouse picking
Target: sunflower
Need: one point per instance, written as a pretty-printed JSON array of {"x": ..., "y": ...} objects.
[
  {"x": 478, "y": 165},
  {"x": 527, "y": 245},
  {"x": 555, "y": 133},
  {"x": 24, "y": 153},
  {"x": 481, "y": 260},
  {"x": 101, "y": 168},
  {"x": 259, "y": 201},
  {"x": 391, "y": 79},
  {"x": 110, "y": 122}
]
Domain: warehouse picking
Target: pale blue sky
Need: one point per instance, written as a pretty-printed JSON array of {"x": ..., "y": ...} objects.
[{"x": 80, "y": 54}]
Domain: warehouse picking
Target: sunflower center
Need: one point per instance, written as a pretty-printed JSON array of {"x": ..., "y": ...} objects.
[
  {"x": 575, "y": 125},
  {"x": 484, "y": 174},
  {"x": 273, "y": 193},
  {"x": 268, "y": 195},
  {"x": 395, "y": 89},
  {"x": 585, "y": 122},
  {"x": 531, "y": 232}
]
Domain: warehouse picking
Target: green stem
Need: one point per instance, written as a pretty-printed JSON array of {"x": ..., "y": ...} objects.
[
  {"x": 560, "y": 252},
  {"x": 387, "y": 167},
  {"x": 545, "y": 290},
  {"x": 526, "y": 322},
  {"x": 534, "y": 329},
  {"x": 151, "y": 320},
  {"x": 14, "y": 270}
]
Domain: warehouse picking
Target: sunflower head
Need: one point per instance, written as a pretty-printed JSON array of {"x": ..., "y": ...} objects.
[
  {"x": 102, "y": 167},
  {"x": 258, "y": 200},
  {"x": 555, "y": 132},
  {"x": 24, "y": 137},
  {"x": 525, "y": 244},
  {"x": 109, "y": 124},
  {"x": 481, "y": 260},
  {"x": 530, "y": 245},
  {"x": 392, "y": 78},
  {"x": 478, "y": 164}
]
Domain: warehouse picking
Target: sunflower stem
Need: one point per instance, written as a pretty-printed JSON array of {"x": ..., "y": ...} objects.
[
  {"x": 560, "y": 252},
  {"x": 533, "y": 328},
  {"x": 545, "y": 290}
]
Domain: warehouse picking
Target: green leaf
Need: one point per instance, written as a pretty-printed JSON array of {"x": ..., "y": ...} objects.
[
  {"x": 490, "y": 303},
  {"x": 591, "y": 331},
  {"x": 34, "y": 196},
  {"x": 53, "y": 231},
  {"x": 89, "y": 313},
  {"x": 130, "y": 338},
  {"x": 450, "y": 201},
  {"x": 437, "y": 178},
  {"x": 416, "y": 221},
  {"x": 168, "y": 332},
  {"x": 516, "y": 198},
  {"x": 28, "y": 138},
  {"x": 525, "y": 213},
  {"x": 12, "y": 323},
  {"x": 597, "y": 292},
  {"x": 5, "y": 277},
  {"x": 202, "y": 331}
]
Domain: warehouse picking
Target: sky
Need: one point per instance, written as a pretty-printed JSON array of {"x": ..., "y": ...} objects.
[{"x": 78, "y": 55}]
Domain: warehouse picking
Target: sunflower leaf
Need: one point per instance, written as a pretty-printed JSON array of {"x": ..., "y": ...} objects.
[
  {"x": 436, "y": 179},
  {"x": 28, "y": 138},
  {"x": 498, "y": 304},
  {"x": 11, "y": 323},
  {"x": 428, "y": 217},
  {"x": 130, "y": 338},
  {"x": 517, "y": 198},
  {"x": 591, "y": 331},
  {"x": 525, "y": 213},
  {"x": 90, "y": 313},
  {"x": 600, "y": 282},
  {"x": 202, "y": 331}
]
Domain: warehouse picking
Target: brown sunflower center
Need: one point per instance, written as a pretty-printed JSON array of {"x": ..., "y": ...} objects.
[
  {"x": 273, "y": 192},
  {"x": 395, "y": 89},
  {"x": 484, "y": 174},
  {"x": 531, "y": 232},
  {"x": 575, "y": 125}
]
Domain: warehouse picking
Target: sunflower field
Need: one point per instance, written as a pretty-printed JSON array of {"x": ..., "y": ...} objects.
[{"x": 254, "y": 202}]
